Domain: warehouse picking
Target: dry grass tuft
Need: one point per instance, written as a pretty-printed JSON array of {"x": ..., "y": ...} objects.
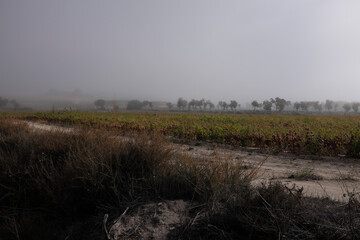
[
  {"x": 305, "y": 174},
  {"x": 68, "y": 177}
]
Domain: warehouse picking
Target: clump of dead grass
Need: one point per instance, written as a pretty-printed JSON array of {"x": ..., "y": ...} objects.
[
  {"x": 305, "y": 174},
  {"x": 70, "y": 176}
]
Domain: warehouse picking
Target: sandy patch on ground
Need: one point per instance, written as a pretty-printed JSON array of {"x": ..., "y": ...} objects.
[
  {"x": 150, "y": 221},
  {"x": 48, "y": 127},
  {"x": 332, "y": 177}
]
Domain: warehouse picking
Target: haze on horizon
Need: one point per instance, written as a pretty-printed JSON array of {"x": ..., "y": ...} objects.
[{"x": 162, "y": 50}]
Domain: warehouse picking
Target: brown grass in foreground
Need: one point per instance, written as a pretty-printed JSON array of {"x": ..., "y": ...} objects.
[{"x": 57, "y": 185}]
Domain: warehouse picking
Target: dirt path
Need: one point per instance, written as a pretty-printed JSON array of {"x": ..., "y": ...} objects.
[
  {"x": 325, "y": 177},
  {"x": 48, "y": 127},
  {"x": 332, "y": 177}
]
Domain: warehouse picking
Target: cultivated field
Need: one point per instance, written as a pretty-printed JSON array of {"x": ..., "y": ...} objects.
[
  {"x": 317, "y": 135},
  {"x": 69, "y": 175}
]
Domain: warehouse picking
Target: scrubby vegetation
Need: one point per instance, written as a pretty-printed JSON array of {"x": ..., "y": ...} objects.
[
  {"x": 319, "y": 135},
  {"x": 57, "y": 185}
]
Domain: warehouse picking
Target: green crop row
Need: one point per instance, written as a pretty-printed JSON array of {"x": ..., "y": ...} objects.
[{"x": 320, "y": 135}]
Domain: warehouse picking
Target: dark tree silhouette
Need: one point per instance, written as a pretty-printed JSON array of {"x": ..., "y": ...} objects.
[
  {"x": 255, "y": 104},
  {"x": 329, "y": 104},
  {"x": 223, "y": 105},
  {"x": 100, "y": 103},
  {"x": 134, "y": 105},
  {"x": 192, "y": 104},
  {"x": 267, "y": 105},
  {"x": 233, "y": 105},
  {"x": 200, "y": 103},
  {"x": 181, "y": 103},
  {"x": 280, "y": 103}
]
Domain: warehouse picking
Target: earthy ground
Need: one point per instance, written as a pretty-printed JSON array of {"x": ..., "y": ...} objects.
[
  {"x": 150, "y": 221},
  {"x": 318, "y": 176},
  {"x": 332, "y": 177}
]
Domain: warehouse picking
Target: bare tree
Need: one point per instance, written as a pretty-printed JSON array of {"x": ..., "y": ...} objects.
[
  {"x": 223, "y": 105},
  {"x": 208, "y": 103}
]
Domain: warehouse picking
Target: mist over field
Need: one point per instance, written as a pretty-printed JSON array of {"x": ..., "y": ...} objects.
[
  {"x": 179, "y": 119},
  {"x": 163, "y": 50}
]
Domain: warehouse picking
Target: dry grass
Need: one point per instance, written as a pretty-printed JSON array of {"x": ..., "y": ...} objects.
[
  {"x": 305, "y": 174},
  {"x": 57, "y": 185},
  {"x": 68, "y": 177}
]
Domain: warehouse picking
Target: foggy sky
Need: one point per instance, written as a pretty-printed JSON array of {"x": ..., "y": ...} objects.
[{"x": 162, "y": 50}]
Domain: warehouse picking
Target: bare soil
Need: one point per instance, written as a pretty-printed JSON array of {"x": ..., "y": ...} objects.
[
  {"x": 150, "y": 221},
  {"x": 331, "y": 177}
]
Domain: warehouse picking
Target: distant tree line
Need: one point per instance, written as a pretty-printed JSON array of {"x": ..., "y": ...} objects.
[
  {"x": 4, "y": 102},
  {"x": 273, "y": 104},
  {"x": 137, "y": 105},
  {"x": 100, "y": 104},
  {"x": 267, "y": 105},
  {"x": 205, "y": 105},
  {"x": 280, "y": 104}
]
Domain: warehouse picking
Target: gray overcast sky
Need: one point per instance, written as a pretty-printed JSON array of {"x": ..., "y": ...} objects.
[{"x": 162, "y": 50}]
